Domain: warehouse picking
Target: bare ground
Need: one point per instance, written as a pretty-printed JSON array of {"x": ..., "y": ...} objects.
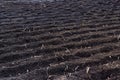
[{"x": 60, "y": 40}]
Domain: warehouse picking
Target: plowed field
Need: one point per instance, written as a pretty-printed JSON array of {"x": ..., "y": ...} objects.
[{"x": 60, "y": 40}]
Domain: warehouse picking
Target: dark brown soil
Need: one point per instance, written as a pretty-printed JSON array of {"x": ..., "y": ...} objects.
[{"x": 61, "y": 40}]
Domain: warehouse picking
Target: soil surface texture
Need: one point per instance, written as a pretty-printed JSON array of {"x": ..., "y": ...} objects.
[{"x": 60, "y": 40}]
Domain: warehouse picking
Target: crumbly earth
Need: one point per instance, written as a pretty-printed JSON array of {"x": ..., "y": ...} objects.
[{"x": 60, "y": 40}]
